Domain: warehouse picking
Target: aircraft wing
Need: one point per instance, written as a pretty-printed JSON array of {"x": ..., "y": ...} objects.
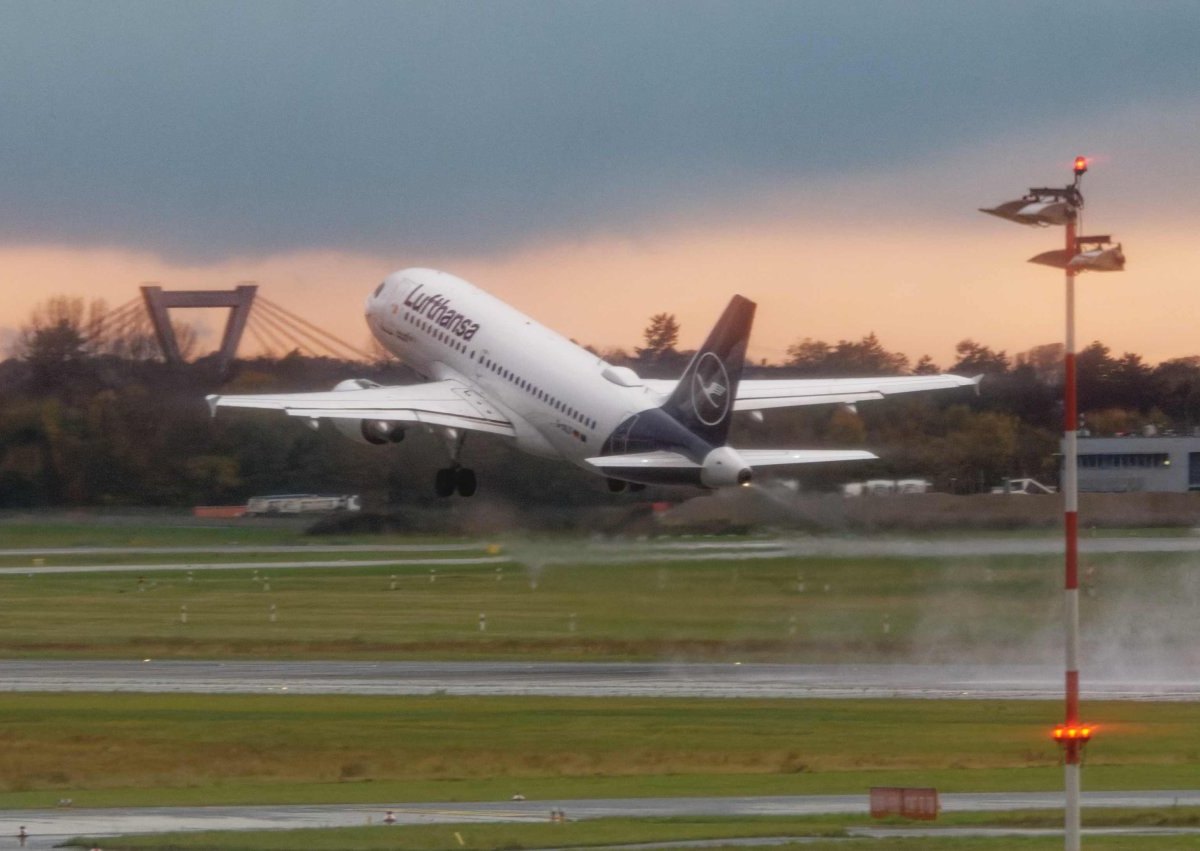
[
  {"x": 758, "y": 394},
  {"x": 441, "y": 403}
]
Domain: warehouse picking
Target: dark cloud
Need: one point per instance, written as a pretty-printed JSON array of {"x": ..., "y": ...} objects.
[{"x": 201, "y": 130}]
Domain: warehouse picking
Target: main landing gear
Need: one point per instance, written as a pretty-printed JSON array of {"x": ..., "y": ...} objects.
[
  {"x": 456, "y": 478},
  {"x": 451, "y": 480}
]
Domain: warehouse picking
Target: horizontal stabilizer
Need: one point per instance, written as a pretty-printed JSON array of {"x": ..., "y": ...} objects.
[
  {"x": 649, "y": 460},
  {"x": 752, "y": 457},
  {"x": 775, "y": 457}
]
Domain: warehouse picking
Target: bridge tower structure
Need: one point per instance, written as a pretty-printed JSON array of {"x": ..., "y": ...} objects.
[{"x": 239, "y": 301}]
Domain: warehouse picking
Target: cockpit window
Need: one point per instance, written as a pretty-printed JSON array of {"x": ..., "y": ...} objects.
[{"x": 379, "y": 289}]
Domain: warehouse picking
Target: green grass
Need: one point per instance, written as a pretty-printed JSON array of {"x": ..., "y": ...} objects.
[
  {"x": 19, "y": 531},
  {"x": 117, "y": 749},
  {"x": 607, "y": 832},
  {"x": 487, "y": 836},
  {"x": 788, "y": 609}
]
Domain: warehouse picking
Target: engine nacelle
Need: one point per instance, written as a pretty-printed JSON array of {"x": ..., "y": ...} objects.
[
  {"x": 724, "y": 468},
  {"x": 374, "y": 432}
]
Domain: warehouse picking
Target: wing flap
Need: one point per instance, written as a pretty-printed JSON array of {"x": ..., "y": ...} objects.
[
  {"x": 759, "y": 394},
  {"x": 441, "y": 403},
  {"x": 756, "y": 394}
]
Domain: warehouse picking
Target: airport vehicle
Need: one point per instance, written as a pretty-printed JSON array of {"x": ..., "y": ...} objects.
[
  {"x": 492, "y": 369},
  {"x": 1026, "y": 486},
  {"x": 300, "y": 503},
  {"x": 886, "y": 487}
]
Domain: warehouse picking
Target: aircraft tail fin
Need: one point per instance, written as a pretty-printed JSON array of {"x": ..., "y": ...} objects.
[{"x": 703, "y": 399}]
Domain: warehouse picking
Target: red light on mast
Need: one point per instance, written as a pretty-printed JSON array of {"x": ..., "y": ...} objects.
[
  {"x": 1081, "y": 165},
  {"x": 1081, "y": 733}
]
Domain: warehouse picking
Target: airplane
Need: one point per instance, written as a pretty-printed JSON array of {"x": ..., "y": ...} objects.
[{"x": 490, "y": 369}]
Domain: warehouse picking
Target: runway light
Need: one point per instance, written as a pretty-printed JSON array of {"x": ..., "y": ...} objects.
[{"x": 1081, "y": 733}]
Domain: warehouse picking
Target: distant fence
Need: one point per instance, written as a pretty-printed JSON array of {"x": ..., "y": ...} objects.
[
  {"x": 219, "y": 511},
  {"x": 907, "y": 802}
]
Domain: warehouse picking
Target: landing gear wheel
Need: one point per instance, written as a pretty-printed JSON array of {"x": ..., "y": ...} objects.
[
  {"x": 615, "y": 485},
  {"x": 465, "y": 481},
  {"x": 444, "y": 484}
]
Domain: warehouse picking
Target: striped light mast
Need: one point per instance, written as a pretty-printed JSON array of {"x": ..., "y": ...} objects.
[
  {"x": 1045, "y": 206},
  {"x": 1072, "y": 745}
]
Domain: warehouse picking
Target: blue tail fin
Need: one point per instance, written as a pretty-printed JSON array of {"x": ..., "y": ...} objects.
[{"x": 703, "y": 399}]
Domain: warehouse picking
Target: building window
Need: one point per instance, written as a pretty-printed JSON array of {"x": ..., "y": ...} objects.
[{"x": 1124, "y": 460}]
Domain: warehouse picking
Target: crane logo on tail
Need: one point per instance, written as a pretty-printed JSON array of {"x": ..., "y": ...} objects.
[{"x": 710, "y": 390}]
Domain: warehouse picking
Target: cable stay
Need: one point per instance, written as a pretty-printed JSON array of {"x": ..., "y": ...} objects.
[
  {"x": 364, "y": 355},
  {"x": 286, "y": 332}
]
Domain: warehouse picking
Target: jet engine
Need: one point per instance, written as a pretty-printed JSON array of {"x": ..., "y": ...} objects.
[{"x": 374, "y": 432}]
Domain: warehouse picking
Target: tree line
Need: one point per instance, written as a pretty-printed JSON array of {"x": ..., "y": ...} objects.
[{"x": 92, "y": 416}]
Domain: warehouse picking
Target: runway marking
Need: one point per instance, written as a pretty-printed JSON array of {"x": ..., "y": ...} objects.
[
  {"x": 473, "y": 814},
  {"x": 245, "y": 548},
  {"x": 245, "y": 565}
]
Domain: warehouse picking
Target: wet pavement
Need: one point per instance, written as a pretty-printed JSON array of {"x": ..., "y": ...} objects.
[
  {"x": 582, "y": 679},
  {"x": 47, "y": 828}
]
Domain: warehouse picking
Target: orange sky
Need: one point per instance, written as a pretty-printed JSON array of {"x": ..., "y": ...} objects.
[
  {"x": 823, "y": 161},
  {"x": 920, "y": 289}
]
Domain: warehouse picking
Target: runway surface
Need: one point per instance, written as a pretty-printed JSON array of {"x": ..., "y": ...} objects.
[
  {"x": 570, "y": 679},
  {"x": 49, "y": 827},
  {"x": 543, "y": 554}
]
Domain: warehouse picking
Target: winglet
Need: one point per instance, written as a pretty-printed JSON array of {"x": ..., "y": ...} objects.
[
  {"x": 977, "y": 380},
  {"x": 213, "y": 400}
]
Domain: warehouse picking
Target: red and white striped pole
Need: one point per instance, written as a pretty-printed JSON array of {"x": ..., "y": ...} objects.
[{"x": 1072, "y": 746}]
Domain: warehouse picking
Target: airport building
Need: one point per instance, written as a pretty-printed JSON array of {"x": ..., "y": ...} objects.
[{"x": 1166, "y": 464}]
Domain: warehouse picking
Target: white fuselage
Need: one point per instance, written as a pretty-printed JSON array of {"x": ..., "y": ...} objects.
[{"x": 562, "y": 400}]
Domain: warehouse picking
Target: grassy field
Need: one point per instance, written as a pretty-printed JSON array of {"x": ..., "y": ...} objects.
[
  {"x": 108, "y": 750},
  {"x": 117, "y": 749},
  {"x": 141, "y": 530},
  {"x": 787, "y": 609}
]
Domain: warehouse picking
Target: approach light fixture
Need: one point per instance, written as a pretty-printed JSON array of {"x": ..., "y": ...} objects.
[
  {"x": 1042, "y": 207},
  {"x": 1092, "y": 254},
  {"x": 1110, "y": 259},
  {"x": 1009, "y": 209},
  {"x": 1043, "y": 213}
]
